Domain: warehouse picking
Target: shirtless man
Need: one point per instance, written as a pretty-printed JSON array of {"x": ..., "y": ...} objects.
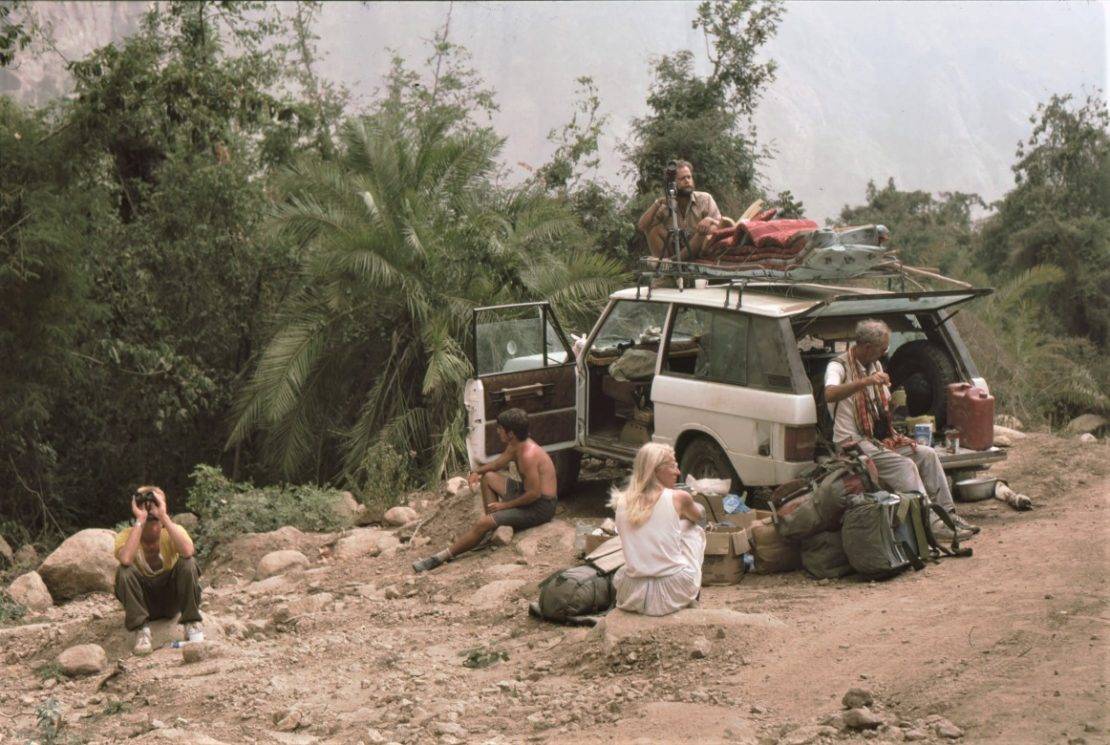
[{"x": 507, "y": 501}]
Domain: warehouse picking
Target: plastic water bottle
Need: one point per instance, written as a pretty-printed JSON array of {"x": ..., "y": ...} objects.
[
  {"x": 735, "y": 503},
  {"x": 178, "y": 644}
]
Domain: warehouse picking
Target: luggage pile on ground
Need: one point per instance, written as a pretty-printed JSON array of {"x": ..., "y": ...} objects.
[
  {"x": 797, "y": 249},
  {"x": 841, "y": 523}
]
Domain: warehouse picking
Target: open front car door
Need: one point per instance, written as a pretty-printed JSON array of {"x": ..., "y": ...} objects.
[{"x": 520, "y": 359}]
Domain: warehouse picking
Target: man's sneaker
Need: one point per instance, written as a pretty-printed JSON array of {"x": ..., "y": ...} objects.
[
  {"x": 194, "y": 632},
  {"x": 944, "y": 534},
  {"x": 965, "y": 525},
  {"x": 142, "y": 641},
  {"x": 425, "y": 564}
]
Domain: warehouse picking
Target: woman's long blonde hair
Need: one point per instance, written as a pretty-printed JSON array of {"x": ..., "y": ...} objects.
[{"x": 639, "y": 497}]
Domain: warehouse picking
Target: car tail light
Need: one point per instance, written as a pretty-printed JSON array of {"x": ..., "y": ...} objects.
[{"x": 800, "y": 442}]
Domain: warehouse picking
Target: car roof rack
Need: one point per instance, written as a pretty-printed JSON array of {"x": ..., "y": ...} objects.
[{"x": 893, "y": 274}]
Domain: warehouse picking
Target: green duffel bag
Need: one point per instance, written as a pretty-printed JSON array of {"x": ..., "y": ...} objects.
[
  {"x": 823, "y": 555},
  {"x": 572, "y": 595}
]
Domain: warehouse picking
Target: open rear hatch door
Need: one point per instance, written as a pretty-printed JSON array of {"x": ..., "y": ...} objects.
[
  {"x": 858, "y": 304},
  {"x": 520, "y": 358}
]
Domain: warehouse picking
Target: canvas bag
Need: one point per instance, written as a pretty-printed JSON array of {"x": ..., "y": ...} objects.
[
  {"x": 569, "y": 595},
  {"x": 869, "y": 540},
  {"x": 772, "y": 553},
  {"x": 823, "y": 555}
]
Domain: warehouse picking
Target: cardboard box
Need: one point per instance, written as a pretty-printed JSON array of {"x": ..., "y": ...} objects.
[
  {"x": 722, "y": 570},
  {"x": 714, "y": 505},
  {"x": 725, "y": 546},
  {"x": 595, "y": 539}
]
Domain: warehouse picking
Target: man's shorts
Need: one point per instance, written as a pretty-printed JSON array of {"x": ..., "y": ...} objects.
[{"x": 528, "y": 516}]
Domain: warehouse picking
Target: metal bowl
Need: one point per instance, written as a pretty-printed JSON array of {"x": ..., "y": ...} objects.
[{"x": 975, "y": 490}]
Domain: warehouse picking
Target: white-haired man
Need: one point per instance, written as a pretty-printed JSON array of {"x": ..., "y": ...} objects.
[{"x": 858, "y": 397}]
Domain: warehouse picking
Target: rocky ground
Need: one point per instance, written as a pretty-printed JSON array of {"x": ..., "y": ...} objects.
[{"x": 341, "y": 643}]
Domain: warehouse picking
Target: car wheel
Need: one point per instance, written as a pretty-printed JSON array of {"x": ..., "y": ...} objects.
[
  {"x": 567, "y": 464},
  {"x": 703, "y": 458},
  {"x": 925, "y": 371}
]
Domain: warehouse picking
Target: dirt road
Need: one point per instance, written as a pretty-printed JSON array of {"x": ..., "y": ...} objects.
[{"x": 1008, "y": 646}]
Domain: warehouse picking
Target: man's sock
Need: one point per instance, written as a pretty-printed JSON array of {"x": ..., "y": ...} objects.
[{"x": 444, "y": 555}]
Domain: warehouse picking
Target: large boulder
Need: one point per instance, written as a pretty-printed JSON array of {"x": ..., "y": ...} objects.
[
  {"x": 279, "y": 562},
  {"x": 358, "y": 543},
  {"x": 30, "y": 591},
  {"x": 83, "y": 659},
  {"x": 85, "y": 562},
  {"x": 552, "y": 542},
  {"x": 242, "y": 553},
  {"x": 400, "y": 515},
  {"x": 1085, "y": 423},
  {"x": 365, "y": 542},
  {"x": 347, "y": 508}
]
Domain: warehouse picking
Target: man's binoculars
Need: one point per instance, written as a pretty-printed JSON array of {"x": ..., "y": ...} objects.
[{"x": 143, "y": 499}]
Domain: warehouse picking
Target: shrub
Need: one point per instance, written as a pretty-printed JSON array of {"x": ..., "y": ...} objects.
[
  {"x": 227, "y": 508},
  {"x": 10, "y": 610}
]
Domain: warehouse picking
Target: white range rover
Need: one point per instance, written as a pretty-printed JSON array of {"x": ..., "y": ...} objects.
[{"x": 731, "y": 374}]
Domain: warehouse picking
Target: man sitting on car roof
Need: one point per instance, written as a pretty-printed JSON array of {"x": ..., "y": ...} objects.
[{"x": 858, "y": 397}]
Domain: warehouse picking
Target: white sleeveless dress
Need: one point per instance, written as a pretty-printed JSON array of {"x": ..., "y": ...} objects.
[{"x": 663, "y": 557}]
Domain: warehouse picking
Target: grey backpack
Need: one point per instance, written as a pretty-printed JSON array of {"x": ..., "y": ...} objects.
[{"x": 572, "y": 595}]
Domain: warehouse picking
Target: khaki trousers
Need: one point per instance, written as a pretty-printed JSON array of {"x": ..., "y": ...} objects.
[
  {"x": 911, "y": 469},
  {"x": 161, "y": 596}
]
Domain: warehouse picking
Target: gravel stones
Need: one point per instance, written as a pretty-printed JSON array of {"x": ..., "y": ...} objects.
[
  {"x": 83, "y": 659},
  {"x": 856, "y": 698},
  {"x": 862, "y": 718}
]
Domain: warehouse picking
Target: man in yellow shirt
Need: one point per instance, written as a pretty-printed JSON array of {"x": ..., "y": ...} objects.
[{"x": 157, "y": 575}]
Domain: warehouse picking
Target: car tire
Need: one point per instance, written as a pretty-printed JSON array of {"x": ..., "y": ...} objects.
[
  {"x": 704, "y": 458},
  {"x": 924, "y": 369},
  {"x": 567, "y": 464}
]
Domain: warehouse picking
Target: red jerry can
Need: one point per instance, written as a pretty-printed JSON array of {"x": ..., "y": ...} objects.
[{"x": 971, "y": 410}]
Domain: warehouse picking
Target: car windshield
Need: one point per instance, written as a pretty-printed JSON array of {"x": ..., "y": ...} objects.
[{"x": 630, "y": 323}]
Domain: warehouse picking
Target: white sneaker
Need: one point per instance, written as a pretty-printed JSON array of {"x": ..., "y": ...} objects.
[
  {"x": 194, "y": 632},
  {"x": 142, "y": 641}
]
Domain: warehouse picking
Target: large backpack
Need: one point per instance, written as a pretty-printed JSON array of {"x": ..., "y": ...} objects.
[
  {"x": 884, "y": 534},
  {"x": 570, "y": 595},
  {"x": 913, "y": 528},
  {"x": 806, "y": 508},
  {"x": 868, "y": 537}
]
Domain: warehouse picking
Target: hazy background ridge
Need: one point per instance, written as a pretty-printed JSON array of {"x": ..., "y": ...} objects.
[{"x": 936, "y": 95}]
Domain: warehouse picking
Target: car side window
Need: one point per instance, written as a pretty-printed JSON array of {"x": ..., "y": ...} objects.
[
  {"x": 720, "y": 341},
  {"x": 768, "y": 364}
]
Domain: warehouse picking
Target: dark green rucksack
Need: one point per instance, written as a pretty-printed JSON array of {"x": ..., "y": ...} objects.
[
  {"x": 868, "y": 537},
  {"x": 884, "y": 534},
  {"x": 823, "y": 555},
  {"x": 572, "y": 595}
]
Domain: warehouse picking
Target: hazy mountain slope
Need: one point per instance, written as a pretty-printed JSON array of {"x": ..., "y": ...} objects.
[{"x": 934, "y": 94}]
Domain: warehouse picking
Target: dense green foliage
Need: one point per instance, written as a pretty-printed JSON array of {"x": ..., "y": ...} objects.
[
  {"x": 1041, "y": 340},
  {"x": 207, "y": 256},
  {"x": 228, "y": 508},
  {"x": 707, "y": 119}
]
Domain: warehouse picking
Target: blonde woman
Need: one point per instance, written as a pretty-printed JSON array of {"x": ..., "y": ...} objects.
[{"x": 663, "y": 543}]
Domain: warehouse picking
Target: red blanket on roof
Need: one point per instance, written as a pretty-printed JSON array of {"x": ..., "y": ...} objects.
[{"x": 759, "y": 239}]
